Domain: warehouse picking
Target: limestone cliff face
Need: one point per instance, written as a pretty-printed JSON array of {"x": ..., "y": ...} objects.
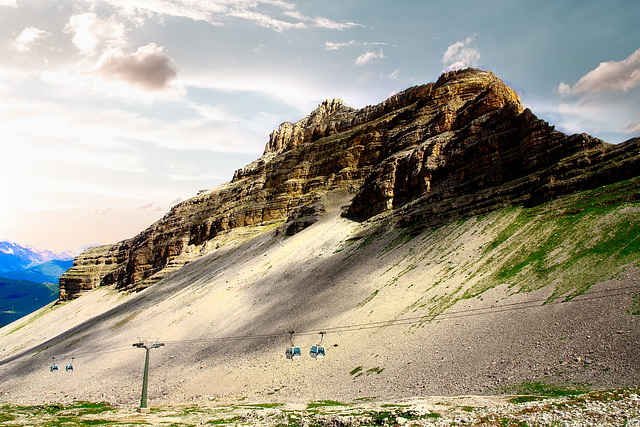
[
  {"x": 322, "y": 121},
  {"x": 459, "y": 146}
]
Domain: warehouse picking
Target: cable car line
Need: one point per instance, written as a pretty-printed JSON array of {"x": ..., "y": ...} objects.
[
  {"x": 539, "y": 303},
  {"x": 607, "y": 293},
  {"x": 479, "y": 311},
  {"x": 587, "y": 296}
]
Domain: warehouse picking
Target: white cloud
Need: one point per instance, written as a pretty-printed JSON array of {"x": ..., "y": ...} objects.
[
  {"x": 563, "y": 89},
  {"x": 608, "y": 76},
  {"x": 149, "y": 68},
  {"x": 276, "y": 15},
  {"x": 83, "y": 158},
  {"x": 197, "y": 11},
  {"x": 27, "y": 38},
  {"x": 319, "y": 22},
  {"x": 146, "y": 76},
  {"x": 89, "y": 32},
  {"x": 332, "y": 25},
  {"x": 603, "y": 101},
  {"x": 460, "y": 55},
  {"x": 292, "y": 13},
  {"x": 266, "y": 21},
  {"x": 612, "y": 117},
  {"x": 368, "y": 57},
  {"x": 336, "y": 46},
  {"x": 10, "y": 3},
  {"x": 632, "y": 127}
]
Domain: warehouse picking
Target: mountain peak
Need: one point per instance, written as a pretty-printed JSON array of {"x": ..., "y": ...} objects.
[
  {"x": 432, "y": 153},
  {"x": 333, "y": 115},
  {"x": 289, "y": 135}
]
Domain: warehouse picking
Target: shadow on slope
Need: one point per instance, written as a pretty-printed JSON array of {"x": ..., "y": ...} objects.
[{"x": 245, "y": 297}]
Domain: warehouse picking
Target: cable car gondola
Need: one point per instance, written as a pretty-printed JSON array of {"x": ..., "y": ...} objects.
[
  {"x": 317, "y": 351},
  {"x": 53, "y": 366},
  {"x": 69, "y": 367},
  {"x": 292, "y": 352}
]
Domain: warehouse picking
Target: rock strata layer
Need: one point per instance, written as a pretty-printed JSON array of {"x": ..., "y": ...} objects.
[{"x": 463, "y": 145}]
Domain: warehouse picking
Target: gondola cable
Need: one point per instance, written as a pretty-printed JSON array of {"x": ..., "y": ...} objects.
[{"x": 587, "y": 296}]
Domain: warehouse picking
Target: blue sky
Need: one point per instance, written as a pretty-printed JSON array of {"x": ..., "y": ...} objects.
[{"x": 113, "y": 111}]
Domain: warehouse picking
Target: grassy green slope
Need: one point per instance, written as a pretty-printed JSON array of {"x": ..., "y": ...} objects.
[
  {"x": 567, "y": 245},
  {"x": 570, "y": 243}
]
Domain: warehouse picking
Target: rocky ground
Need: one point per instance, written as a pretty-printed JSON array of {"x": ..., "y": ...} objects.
[{"x": 604, "y": 408}]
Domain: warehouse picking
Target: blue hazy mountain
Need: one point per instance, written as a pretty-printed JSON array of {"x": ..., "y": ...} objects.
[
  {"x": 15, "y": 257},
  {"x": 28, "y": 279},
  {"x": 47, "y": 272}
]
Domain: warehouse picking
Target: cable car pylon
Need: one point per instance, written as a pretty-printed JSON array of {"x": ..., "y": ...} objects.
[{"x": 143, "y": 400}]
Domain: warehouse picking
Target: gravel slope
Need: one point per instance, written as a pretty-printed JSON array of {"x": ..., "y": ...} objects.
[{"x": 224, "y": 322}]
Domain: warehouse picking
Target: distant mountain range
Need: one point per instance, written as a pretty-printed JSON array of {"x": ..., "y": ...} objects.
[
  {"x": 15, "y": 257},
  {"x": 47, "y": 272},
  {"x": 28, "y": 279}
]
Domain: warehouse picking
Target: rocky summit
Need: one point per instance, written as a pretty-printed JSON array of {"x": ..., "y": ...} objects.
[
  {"x": 461, "y": 146},
  {"x": 445, "y": 242}
]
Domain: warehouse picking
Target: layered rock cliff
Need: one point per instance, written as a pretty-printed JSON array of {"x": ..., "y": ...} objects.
[{"x": 460, "y": 146}]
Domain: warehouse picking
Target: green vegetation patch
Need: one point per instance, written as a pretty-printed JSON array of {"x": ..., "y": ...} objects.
[
  {"x": 403, "y": 237},
  {"x": 544, "y": 389},
  {"x": 225, "y": 421},
  {"x": 387, "y": 418},
  {"x": 84, "y": 408},
  {"x": 323, "y": 403},
  {"x": 367, "y": 240},
  {"x": 369, "y": 298},
  {"x": 318, "y": 413},
  {"x": 267, "y": 405},
  {"x": 79, "y": 413},
  {"x": 570, "y": 243},
  {"x": 359, "y": 371},
  {"x": 635, "y": 306},
  {"x": 365, "y": 399},
  {"x": 6, "y": 413}
]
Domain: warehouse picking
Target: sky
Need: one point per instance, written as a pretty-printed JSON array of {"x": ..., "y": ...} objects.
[{"x": 113, "y": 111}]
